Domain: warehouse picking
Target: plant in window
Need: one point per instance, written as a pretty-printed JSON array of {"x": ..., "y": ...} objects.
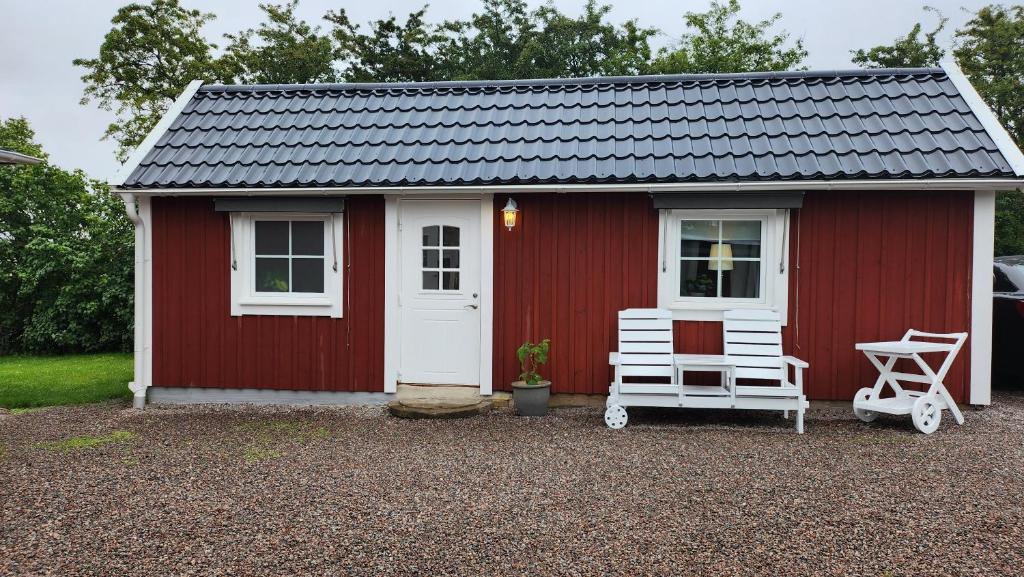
[
  {"x": 273, "y": 282},
  {"x": 531, "y": 393}
]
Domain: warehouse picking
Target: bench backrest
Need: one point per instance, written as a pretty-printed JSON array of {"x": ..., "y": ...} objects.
[
  {"x": 753, "y": 341},
  {"x": 645, "y": 343}
]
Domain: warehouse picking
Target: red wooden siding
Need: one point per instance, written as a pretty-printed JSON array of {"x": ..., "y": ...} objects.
[
  {"x": 196, "y": 341},
  {"x": 864, "y": 266},
  {"x": 871, "y": 265},
  {"x": 570, "y": 264}
]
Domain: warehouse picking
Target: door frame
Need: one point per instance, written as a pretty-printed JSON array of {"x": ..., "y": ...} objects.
[{"x": 392, "y": 314}]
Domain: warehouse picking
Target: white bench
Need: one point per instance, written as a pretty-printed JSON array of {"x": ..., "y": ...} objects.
[{"x": 647, "y": 374}]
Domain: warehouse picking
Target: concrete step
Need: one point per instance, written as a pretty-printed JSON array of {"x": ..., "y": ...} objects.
[
  {"x": 402, "y": 411},
  {"x": 438, "y": 402}
]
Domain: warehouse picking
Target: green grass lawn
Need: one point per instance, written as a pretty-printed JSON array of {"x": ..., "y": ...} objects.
[{"x": 67, "y": 380}]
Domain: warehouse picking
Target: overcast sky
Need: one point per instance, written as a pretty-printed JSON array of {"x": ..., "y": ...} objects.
[{"x": 38, "y": 40}]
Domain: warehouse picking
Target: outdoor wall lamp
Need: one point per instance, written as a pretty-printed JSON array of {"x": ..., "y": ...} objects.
[{"x": 509, "y": 212}]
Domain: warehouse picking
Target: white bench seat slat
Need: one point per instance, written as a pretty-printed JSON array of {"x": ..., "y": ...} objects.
[
  {"x": 759, "y": 373},
  {"x": 643, "y": 324},
  {"x": 646, "y": 371},
  {"x": 645, "y": 314},
  {"x": 646, "y": 359},
  {"x": 766, "y": 391},
  {"x": 764, "y": 350},
  {"x": 739, "y": 337},
  {"x": 646, "y": 347},
  {"x": 749, "y": 361},
  {"x": 645, "y": 337},
  {"x": 754, "y": 326}
]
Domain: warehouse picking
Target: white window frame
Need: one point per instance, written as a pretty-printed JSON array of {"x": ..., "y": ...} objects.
[
  {"x": 774, "y": 278},
  {"x": 245, "y": 300}
]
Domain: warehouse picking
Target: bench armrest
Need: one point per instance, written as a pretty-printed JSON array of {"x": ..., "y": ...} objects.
[
  {"x": 613, "y": 359},
  {"x": 795, "y": 362}
]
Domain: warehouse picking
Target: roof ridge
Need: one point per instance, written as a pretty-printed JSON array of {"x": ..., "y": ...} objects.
[{"x": 588, "y": 81}]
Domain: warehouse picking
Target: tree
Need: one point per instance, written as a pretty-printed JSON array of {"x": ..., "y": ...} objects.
[
  {"x": 722, "y": 42},
  {"x": 990, "y": 51},
  {"x": 586, "y": 46},
  {"x": 66, "y": 257},
  {"x": 146, "y": 60},
  {"x": 391, "y": 52},
  {"x": 283, "y": 50},
  {"x": 491, "y": 44},
  {"x": 1009, "y": 231},
  {"x": 909, "y": 51},
  {"x": 504, "y": 41}
]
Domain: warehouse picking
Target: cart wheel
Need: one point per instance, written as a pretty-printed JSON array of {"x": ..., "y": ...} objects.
[
  {"x": 615, "y": 416},
  {"x": 926, "y": 415},
  {"x": 863, "y": 414}
]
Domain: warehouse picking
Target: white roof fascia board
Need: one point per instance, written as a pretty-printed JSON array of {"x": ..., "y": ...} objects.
[
  {"x": 154, "y": 135},
  {"x": 11, "y": 157},
  {"x": 988, "y": 119},
  {"x": 887, "y": 184}
]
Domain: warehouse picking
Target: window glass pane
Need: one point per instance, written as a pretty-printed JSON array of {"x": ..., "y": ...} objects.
[
  {"x": 451, "y": 280},
  {"x": 431, "y": 280},
  {"x": 744, "y": 236},
  {"x": 451, "y": 259},
  {"x": 743, "y": 281},
  {"x": 451, "y": 236},
  {"x": 696, "y": 279},
  {"x": 308, "y": 275},
  {"x": 272, "y": 275},
  {"x": 697, "y": 236},
  {"x": 308, "y": 237},
  {"x": 430, "y": 258},
  {"x": 1014, "y": 275},
  {"x": 431, "y": 235},
  {"x": 271, "y": 237}
]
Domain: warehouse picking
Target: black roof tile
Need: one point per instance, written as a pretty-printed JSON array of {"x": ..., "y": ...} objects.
[{"x": 906, "y": 123}]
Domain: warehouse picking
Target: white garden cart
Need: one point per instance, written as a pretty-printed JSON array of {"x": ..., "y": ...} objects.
[{"x": 924, "y": 407}]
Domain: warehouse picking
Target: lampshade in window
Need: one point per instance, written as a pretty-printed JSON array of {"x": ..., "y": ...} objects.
[{"x": 721, "y": 257}]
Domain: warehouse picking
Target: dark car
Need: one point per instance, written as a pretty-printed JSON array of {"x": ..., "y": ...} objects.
[{"x": 1008, "y": 321}]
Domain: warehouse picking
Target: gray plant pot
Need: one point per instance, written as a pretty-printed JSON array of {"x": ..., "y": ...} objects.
[{"x": 531, "y": 400}]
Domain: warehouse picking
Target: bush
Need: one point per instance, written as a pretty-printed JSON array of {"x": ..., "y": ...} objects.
[
  {"x": 1010, "y": 223},
  {"x": 66, "y": 257}
]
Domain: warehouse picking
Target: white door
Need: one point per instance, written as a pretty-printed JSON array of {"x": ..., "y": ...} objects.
[{"x": 439, "y": 291}]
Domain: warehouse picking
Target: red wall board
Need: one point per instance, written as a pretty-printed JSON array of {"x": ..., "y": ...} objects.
[
  {"x": 864, "y": 266},
  {"x": 196, "y": 341}
]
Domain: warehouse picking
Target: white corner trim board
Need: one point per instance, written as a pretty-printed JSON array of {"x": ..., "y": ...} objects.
[
  {"x": 981, "y": 297},
  {"x": 154, "y": 135},
  {"x": 391, "y": 294},
  {"x": 139, "y": 212},
  {"x": 985, "y": 115}
]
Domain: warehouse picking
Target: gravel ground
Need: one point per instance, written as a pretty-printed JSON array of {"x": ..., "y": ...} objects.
[{"x": 350, "y": 491}]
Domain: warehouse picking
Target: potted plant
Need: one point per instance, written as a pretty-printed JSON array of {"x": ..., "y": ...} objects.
[{"x": 530, "y": 394}]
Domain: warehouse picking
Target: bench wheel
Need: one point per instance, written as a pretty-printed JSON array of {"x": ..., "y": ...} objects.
[
  {"x": 863, "y": 414},
  {"x": 926, "y": 414},
  {"x": 615, "y": 417}
]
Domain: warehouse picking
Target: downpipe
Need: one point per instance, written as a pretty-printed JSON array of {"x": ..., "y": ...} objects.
[{"x": 138, "y": 385}]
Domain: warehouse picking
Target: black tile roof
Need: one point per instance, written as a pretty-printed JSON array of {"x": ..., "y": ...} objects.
[{"x": 906, "y": 123}]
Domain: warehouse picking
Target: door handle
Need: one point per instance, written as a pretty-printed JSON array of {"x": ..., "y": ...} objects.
[{"x": 474, "y": 307}]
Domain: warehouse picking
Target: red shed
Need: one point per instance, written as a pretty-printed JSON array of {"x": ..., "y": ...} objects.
[{"x": 325, "y": 243}]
